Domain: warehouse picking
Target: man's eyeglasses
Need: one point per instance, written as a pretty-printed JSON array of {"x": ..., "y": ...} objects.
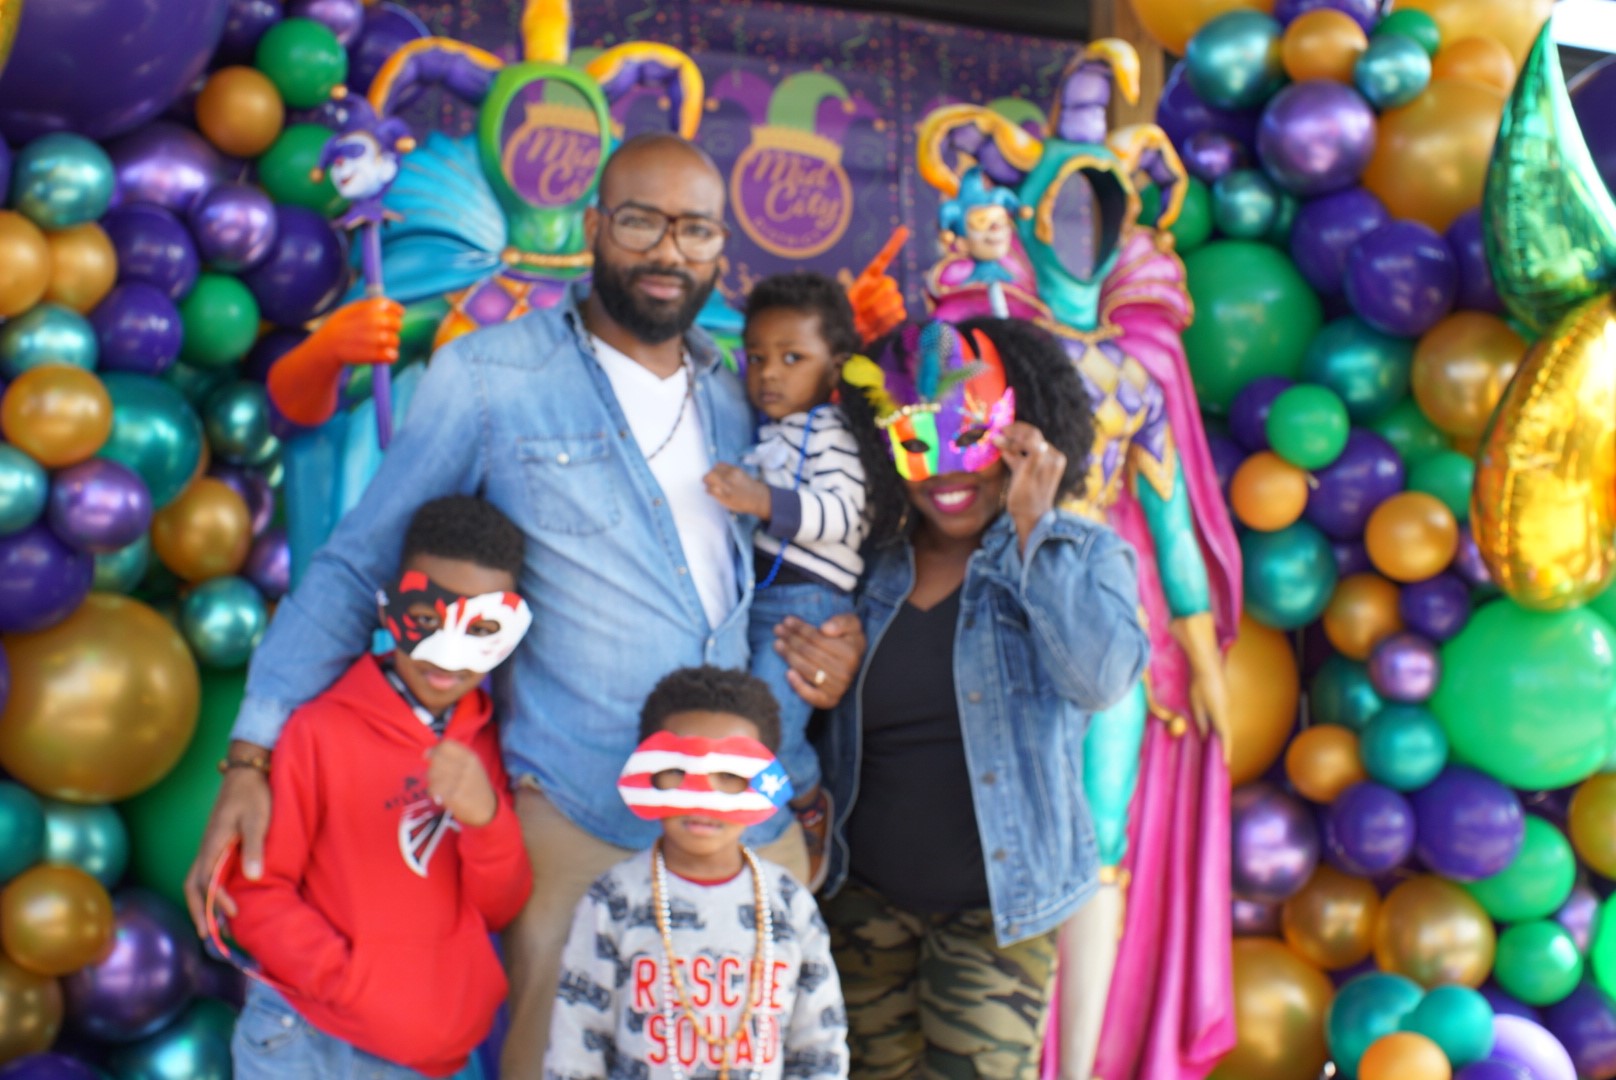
[{"x": 640, "y": 228}]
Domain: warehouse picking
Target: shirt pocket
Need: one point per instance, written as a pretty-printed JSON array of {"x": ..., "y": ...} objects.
[
  {"x": 1013, "y": 640},
  {"x": 571, "y": 483}
]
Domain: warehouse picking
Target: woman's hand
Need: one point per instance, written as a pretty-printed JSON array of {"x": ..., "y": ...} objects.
[
  {"x": 824, "y": 660},
  {"x": 1036, "y": 469}
]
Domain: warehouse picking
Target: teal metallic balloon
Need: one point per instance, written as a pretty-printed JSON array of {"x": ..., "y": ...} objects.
[
  {"x": 194, "y": 1047},
  {"x": 22, "y": 829},
  {"x": 1368, "y": 370},
  {"x": 236, "y": 419},
  {"x": 1537, "y": 883},
  {"x": 1363, "y": 1010},
  {"x": 1245, "y": 204},
  {"x": 1307, "y": 426},
  {"x": 1341, "y": 692},
  {"x": 1538, "y": 962},
  {"x": 224, "y": 620},
  {"x": 198, "y": 384},
  {"x": 47, "y": 334},
  {"x": 1403, "y": 747},
  {"x": 1448, "y": 476},
  {"x": 1279, "y": 234},
  {"x": 1233, "y": 62},
  {"x": 92, "y": 838},
  {"x": 60, "y": 180},
  {"x": 154, "y": 432},
  {"x": 23, "y": 490},
  {"x": 1392, "y": 71},
  {"x": 120, "y": 571},
  {"x": 1413, "y": 436},
  {"x": 1413, "y": 23},
  {"x": 1456, "y": 1018},
  {"x": 1288, "y": 575}
]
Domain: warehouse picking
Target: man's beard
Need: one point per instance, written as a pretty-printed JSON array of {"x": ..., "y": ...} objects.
[{"x": 648, "y": 321}]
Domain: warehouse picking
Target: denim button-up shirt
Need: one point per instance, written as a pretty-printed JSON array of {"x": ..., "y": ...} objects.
[
  {"x": 523, "y": 415},
  {"x": 1043, "y": 641}
]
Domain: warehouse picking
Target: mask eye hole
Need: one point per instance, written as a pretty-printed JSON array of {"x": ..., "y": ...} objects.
[
  {"x": 668, "y": 779},
  {"x": 728, "y": 783},
  {"x": 970, "y": 437},
  {"x": 422, "y": 617},
  {"x": 916, "y": 446},
  {"x": 483, "y": 628}
]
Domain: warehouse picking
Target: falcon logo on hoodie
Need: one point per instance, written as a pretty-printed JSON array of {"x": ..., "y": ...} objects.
[{"x": 421, "y": 828}]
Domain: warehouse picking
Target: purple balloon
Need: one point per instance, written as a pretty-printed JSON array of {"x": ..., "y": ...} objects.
[
  {"x": 5, "y": 166},
  {"x": 1367, "y": 473},
  {"x": 1369, "y": 829},
  {"x": 103, "y": 67},
  {"x": 1401, "y": 278},
  {"x": 153, "y": 247},
  {"x": 1492, "y": 1070},
  {"x": 99, "y": 505},
  {"x": 244, "y": 23},
  {"x": 1530, "y": 1046},
  {"x": 269, "y": 564},
  {"x": 1248, "y": 412},
  {"x": 1585, "y": 1025},
  {"x": 254, "y": 491},
  {"x": 1226, "y": 457},
  {"x": 165, "y": 164},
  {"x": 48, "y": 1067},
  {"x": 42, "y": 579},
  {"x": 1437, "y": 607},
  {"x": 1325, "y": 230},
  {"x": 1253, "y": 919},
  {"x": 1351, "y": 557},
  {"x": 1316, "y": 137},
  {"x": 234, "y": 225},
  {"x": 344, "y": 18},
  {"x": 226, "y": 982},
  {"x": 1476, "y": 289},
  {"x": 1593, "y": 98},
  {"x": 305, "y": 272},
  {"x": 1469, "y": 826},
  {"x": 1181, "y": 113},
  {"x": 268, "y": 349},
  {"x": 139, "y": 329},
  {"x": 145, "y": 980},
  {"x": 1276, "y": 843},
  {"x": 5, "y": 683},
  {"x": 1578, "y": 915},
  {"x": 1468, "y": 561},
  {"x": 1505, "y": 1005},
  {"x": 1364, "y": 12},
  {"x": 1405, "y": 667},
  {"x": 1211, "y": 155}
]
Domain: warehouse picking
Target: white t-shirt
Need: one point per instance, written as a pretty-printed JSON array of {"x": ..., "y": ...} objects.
[{"x": 652, "y": 406}]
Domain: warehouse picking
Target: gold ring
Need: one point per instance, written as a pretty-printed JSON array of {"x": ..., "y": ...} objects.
[{"x": 819, "y": 677}]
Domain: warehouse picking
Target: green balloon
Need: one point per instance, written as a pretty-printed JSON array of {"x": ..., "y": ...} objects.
[
  {"x": 1537, "y": 962},
  {"x": 304, "y": 60},
  {"x": 1341, "y": 692},
  {"x": 1605, "y": 604},
  {"x": 1413, "y": 436},
  {"x": 1537, "y": 883},
  {"x": 1363, "y": 1010},
  {"x": 1527, "y": 695},
  {"x": 1245, "y": 204},
  {"x": 120, "y": 571},
  {"x": 1307, "y": 426},
  {"x": 1233, "y": 62},
  {"x": 1602, "y": 956},
  {"x": 154, "y": 432},
  {"x": 1288, "y": 575},
  {"x": 22, "y": 829},
  {"x": 1456, "y": 1018},
  {"x": 1392, "y": 71},
  {"x": 1403, "y": 747},
  {"x": 1194, "y": 225},
  {"x": 1448, "y": 476},
  {"x": 287, "y": 167},
  {"x": 1254, "y": 315},
  {"x": 92, "y": 838},
  {"x": 220, "y": 317},
  {"x": 1368, "y": 370},
  {"x": 236, "y": 418},
  {"x": 1280, "y": 233},
  {"x": 1415, "y": 24},
  {"x": 166, "y": 822}
]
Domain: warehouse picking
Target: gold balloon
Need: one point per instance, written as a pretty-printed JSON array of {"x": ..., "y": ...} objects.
[
  {"x": 1361, "y": 612},
  {"x": 84, "y": 267},
  {"x": 56, "y": 414},
  {"x": 1322, "y": 44},
  {"x": 205, "y": 533},
  {"x": 1461, "y": 367},
  {"x": 240, "y": 111},
  {"x": 1323, "y": 761},
  {"x": 1544, "y": 502},
  {"x": 1411, "y": 536},
  {"x": 1481, "y": 60},
  {"x": 1173, "y": 22},
  {"x": 1331, "y": 922},
  {"x": 1261, "y": 673},
  {"x": 1592, "y": 823},
  {"x": 1280, "y": 1002},
  {"x": 30, "y": 1011},
  {"x": 1434, "y": 932},
  {"x": 1404, "y": 1055},
  {"x": 1267, "y": 492},
  {"x": 25, "y": 264},
  {"x": 55, "y": 920},
  {"x": 1513, "y": 23},
  {"x": 1431, "y": 155},
  {"x": 102, "y": 704}
]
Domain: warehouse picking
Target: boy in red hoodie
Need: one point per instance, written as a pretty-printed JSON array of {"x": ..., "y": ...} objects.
[{"x": 394, "y": 850}]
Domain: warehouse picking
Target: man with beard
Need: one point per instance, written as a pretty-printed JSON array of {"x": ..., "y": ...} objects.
[{"x": 591, "y": 426}]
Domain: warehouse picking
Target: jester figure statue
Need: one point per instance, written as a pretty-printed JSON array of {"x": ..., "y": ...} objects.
[{"x": 1157, "y": 1006}]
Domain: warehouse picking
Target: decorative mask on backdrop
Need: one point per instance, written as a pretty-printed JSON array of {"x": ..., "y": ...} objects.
[
  {"x": 735, "y": 780},
  {"x": 942, "y": 399},
  {"x": 454, "y": 631}
]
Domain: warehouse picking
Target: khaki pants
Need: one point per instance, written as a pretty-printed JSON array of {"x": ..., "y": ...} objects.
[{"x": 566, "y": 861}]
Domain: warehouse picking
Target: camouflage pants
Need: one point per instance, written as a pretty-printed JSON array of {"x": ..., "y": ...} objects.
[{"x": 935, "y": 996}]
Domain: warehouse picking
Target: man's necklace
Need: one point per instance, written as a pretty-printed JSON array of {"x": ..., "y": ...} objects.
[{"x": 684, "y": 407}]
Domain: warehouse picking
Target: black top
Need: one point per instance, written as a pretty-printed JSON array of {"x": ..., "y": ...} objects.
[{"x": 913, "y": 835}]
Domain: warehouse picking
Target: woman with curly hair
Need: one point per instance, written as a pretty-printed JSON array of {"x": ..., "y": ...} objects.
[{"x": 997, "y": 624}]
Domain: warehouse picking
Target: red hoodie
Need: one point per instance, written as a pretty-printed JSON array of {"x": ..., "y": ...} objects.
[{"x": 373, "y": 912}]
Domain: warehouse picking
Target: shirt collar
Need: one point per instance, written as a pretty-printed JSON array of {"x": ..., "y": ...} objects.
[{"x": 704, "y": 355}]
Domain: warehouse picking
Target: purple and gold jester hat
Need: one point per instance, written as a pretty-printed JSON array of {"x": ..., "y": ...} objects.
[{"x": 940, "y": 396}]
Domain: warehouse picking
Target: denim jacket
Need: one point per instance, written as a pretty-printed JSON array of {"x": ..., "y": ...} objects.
[
  {"x": 1042, "y": 642},
  {"x": 523, "y": 415}
]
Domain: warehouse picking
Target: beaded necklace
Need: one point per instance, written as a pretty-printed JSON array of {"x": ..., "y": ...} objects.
[{"x": 757, "y": 973}]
